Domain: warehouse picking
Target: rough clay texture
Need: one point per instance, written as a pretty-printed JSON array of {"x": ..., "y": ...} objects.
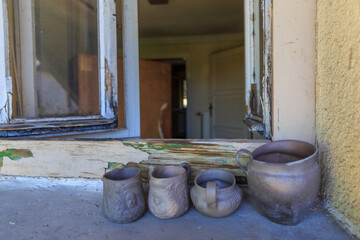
[{"x": 338, "y": 108}]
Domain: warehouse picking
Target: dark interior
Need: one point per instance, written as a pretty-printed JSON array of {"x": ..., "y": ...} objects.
[
  {"x": 168, "y": 171},
  {"x": 284, "y": 152},
  {"x": 222, "y": 180},
  {"x": 122, "y": 174}
]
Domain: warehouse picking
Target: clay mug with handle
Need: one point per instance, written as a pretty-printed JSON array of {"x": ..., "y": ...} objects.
[
  {"x": 215, "y": 193},
  {"x": 168, "y": 191}
]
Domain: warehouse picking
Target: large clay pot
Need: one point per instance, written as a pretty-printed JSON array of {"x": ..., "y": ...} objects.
[
  {"x": 123, "y": 195},
  {"x": 215, "y": 193},
  {"x": 284, "y": 177},
  {"x": 168, "y": 191}
]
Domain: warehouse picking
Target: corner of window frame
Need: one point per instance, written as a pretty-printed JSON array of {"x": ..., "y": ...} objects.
[{"x": 107, "y": 73}]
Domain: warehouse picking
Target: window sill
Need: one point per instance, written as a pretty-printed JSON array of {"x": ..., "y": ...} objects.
[{"x": 36, "y": 128}]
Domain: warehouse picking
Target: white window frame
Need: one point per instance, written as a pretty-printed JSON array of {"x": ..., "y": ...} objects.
[
  {"x": 107, "y": 79},
  {"x": 253, "y": 77},
  {"x": 289, "y": 122}
]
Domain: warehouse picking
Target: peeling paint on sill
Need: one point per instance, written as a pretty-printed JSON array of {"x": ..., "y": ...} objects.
[
  {"x": 148, "y": 147},
  {"x": 114, "y": 165},
  {"x": 14, "y": 154},
  {"x": 201, "y": 155}
]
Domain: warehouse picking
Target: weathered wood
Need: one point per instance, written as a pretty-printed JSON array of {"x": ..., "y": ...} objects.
[
  {"x": 267, "y": 59},
  {"x": 200, "y": 154},
  {"x": 14, "y": 154},
  {"x": 153, "y": 2},
  {"x": 108, "y": 76},
  {"x": 87, "y": 67},
  {"x": 258, "y": 64},
  {"x": 70, "y": 126},
  {"x": 54, "y": 158},
  {"x": 107, "y": 57},
  {"x": 67, "y": 158}
]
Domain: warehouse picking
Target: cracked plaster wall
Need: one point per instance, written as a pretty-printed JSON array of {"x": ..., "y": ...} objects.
[{"x": 338, "y": 108}]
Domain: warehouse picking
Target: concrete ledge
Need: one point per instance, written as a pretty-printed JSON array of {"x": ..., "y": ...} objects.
[{"x": 60, "y": 208}]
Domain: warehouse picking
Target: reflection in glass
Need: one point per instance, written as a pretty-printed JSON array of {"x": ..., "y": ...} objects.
[{"x": 65, "y": 55}]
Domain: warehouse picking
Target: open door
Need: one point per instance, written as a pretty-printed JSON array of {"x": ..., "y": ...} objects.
[
  {"x": 228, "y": 94},
  {"x": 155, "y": 98}
]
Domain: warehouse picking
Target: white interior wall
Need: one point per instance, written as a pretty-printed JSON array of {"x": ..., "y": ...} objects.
[{"x": 197, "y": 56}]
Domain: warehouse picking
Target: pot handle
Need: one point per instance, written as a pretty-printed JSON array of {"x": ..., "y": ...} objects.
[
  {"x": 211, "y": 194},
  {"x": 243, "y": 151},
  {"x": 151, "y": 169},
  {"x": 187, "y": 168}
]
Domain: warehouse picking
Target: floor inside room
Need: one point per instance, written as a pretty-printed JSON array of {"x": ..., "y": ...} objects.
[{"x": 41, "y": 208}]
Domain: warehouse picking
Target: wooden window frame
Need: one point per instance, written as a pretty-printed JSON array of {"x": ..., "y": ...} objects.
[
  {"x": 91, "y": 158},
  {"x": 258, "y": 74},
  {"x": 283, "y": 45},
  {"x": 108, "y": 117}
]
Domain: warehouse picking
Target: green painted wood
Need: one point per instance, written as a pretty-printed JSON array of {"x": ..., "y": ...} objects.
[
  {"x": 201, "y": 155},
  {"x": 14, "y": 154}
]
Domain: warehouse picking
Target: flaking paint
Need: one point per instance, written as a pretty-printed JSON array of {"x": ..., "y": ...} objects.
[
  {"x": 58, "y": 158},
  {"x": 14, "y": 154},
  {"x": 338, "y": 108},
  {"x": 201, "y": 155}
]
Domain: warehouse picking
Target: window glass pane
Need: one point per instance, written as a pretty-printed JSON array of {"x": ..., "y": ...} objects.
[{"x": 63, "y": 47}]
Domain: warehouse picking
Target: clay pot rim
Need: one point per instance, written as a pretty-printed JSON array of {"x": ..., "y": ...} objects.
[
  {"x": 217, "y": 189},
  {"x": 180, "y": 175},
  {"x": 289, "y": 163},
  {"x": 104, "y": 178}
]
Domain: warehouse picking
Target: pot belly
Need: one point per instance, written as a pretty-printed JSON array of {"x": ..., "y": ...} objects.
[{"x": 285, "y": 198}]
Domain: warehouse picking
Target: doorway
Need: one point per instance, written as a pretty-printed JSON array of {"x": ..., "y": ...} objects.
[
  {"x": 179, "y": 98},
  {"x": 153, "y": 88}
]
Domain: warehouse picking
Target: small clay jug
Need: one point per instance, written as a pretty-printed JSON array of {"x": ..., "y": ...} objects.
[
  {"x": 123, "y": 195},
  {"x": 215, "y": 193},
  {"x": 284, "y": 178},
  {"x": 168, "y": 191}
]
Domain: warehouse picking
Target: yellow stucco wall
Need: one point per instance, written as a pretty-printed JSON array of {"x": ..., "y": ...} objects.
[{"x": 338, "y": 107}]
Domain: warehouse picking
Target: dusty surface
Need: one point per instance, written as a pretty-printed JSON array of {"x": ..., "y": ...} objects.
[
  {"x": 71, "y": 209},
  {"x": 337, "y": 107}
]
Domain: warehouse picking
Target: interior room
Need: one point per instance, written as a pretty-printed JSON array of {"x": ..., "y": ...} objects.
[{"x": 205, "y": 35}]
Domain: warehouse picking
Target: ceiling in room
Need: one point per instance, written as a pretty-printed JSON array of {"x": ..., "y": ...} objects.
[{"x": 190, "y": 17}]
